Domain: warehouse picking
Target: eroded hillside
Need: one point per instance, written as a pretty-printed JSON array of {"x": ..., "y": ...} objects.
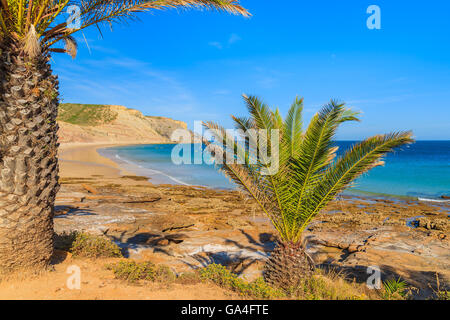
[{"x": 112, "y": 124}]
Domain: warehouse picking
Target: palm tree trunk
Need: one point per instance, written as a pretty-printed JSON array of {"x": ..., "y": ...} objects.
[
  {"x": 28, "y": 159},
  {"x": 288, "y": 266}
]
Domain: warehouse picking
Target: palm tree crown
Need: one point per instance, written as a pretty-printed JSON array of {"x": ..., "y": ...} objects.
[
  {"x": 38, "y": 24},
  {"x": 309, "y": 174}
]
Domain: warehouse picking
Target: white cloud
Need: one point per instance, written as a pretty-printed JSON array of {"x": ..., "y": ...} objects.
[
  {"x": 216, "y": 44},
  {"x": 234, "y": 38},
  {"x": 268, "y": 82},
  {"x": 222, "y": 92}
]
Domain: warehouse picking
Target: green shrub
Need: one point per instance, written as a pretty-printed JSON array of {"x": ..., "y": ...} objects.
[
  {"x": 257, "y": 289},
  {"x": 442, "y": 295},
  {"x": 90, "y": 246},
  {"x": 64, "y": 241},
  {"x": 86, "y": 114},
  {"x": 394, "y": 289},
  {"x": 133, "y": 271}
]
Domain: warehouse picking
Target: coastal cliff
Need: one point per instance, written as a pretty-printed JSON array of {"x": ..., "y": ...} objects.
[{"x": 112, "y": 124}]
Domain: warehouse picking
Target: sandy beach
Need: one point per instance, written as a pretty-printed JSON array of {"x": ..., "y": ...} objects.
[{"x": 83, "y": 160}]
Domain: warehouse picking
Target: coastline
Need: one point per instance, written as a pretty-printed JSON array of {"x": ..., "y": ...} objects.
[
  {"x": 80, "y": 160},
  {"x": 88, "y": 156},
  {"x": 156, "y": 176},
  {"x": 98, "y": 196}
]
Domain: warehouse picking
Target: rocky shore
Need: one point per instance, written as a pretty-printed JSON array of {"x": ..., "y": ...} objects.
[{"x": 190, "y": 227}]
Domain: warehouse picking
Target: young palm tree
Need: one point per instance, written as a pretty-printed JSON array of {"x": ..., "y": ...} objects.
[
  {"x": 29, "y": 31},
  {"x": 308, "y": 176}
]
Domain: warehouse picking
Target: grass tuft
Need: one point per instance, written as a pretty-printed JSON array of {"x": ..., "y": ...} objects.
[
  {"x": 82, "y": 244},
  {"x": 133, "y": 271},
  {"x": 257, "y": 289},
  {"x": 189, "y": 278},
  {"x": 328, "y": 285},
  {"x": 440, "y": 293}
]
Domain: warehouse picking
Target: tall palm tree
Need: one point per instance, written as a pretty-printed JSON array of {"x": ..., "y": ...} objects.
[
  {"x": 308, "y": 177},
  {"x": 29, "y": 31}
]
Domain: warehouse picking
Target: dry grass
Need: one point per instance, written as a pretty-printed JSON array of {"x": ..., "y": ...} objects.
[
  {"x": 323, "y": 285},
  {"x": 86, "y": 245},
  {"x": 135, "y": 178},
  {"x": 331, "y": 285},
  {"x": 132, "y": 271}
]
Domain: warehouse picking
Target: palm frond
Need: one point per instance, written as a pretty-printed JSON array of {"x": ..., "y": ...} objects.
[
  {"x": 246, "y": 176},
  {"x": 261, "y": 114},
  {"x": 277, "y": 119},
  {"x": 293, "y": 127},
  {"x": 71, "y": 46},
  {"x": 350, "y": 115},
  {"x": 95, "y": 12},
  {"x": 310, "y": 176},
  {"x": 358, "y": 160},
  {"x": 394, "y": 287},
  {"x": 314, "y": 151},
  {"x": 18, "y": 17}
]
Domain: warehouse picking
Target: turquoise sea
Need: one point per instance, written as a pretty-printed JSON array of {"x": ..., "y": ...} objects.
[{"x": 420, "y": 170}]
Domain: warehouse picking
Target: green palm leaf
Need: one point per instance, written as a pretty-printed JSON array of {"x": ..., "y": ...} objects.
[
  {"x": 358, "y": 160},
  {"x": 293, "y": 127},
  {"x": 246, "y": 176},
  {"x": 260, "y": 112}
]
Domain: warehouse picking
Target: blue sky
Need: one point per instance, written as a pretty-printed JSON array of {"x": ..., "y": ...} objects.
[{"x": 194, "y": 65}]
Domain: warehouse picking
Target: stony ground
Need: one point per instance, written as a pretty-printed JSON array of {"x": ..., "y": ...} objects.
[{"x": 189, "y": 227}]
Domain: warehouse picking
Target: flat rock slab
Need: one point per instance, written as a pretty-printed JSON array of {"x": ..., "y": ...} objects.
[
  {"x": 186, "y": 228},
  {"x": 92, "y": 219}
]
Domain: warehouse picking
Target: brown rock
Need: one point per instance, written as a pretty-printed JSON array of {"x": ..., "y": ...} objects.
[
  {"x": 362, "y": 248},
  {"x": 176, "y": 238},
  {"x": 236, "y": 223},
  {"x": 236, "y": 212},
  {"x": 342, "y": 246},
  {"x": 89, "y": 188},
  {"x": 162, "y": 242}
]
